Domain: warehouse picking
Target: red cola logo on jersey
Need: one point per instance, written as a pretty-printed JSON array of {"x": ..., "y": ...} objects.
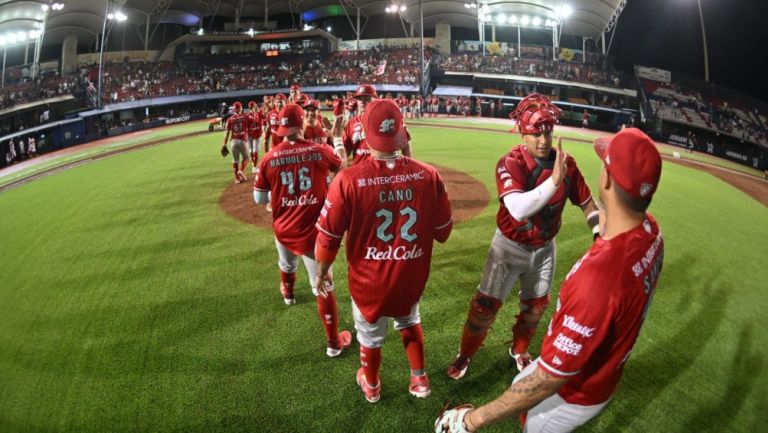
[{"x": 398, "y": 253}]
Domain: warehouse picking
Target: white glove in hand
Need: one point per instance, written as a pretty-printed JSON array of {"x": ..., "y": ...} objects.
[{"x": 452, "y": 420}]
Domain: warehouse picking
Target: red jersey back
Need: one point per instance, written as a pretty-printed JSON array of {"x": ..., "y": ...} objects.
[
  {"x": 602, "y": 305},
  {"x": 354, "y": 139},
  {"x": 255, "y": 119},
  {"x": 296, "y": 175},
  {"x": 518, "y": 171},
  {"x": 392, "y": 209},
  {"x": 238, "y": 125}
]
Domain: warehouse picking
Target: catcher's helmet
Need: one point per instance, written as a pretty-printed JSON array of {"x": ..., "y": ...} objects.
[{"x": 535, "y": 114}]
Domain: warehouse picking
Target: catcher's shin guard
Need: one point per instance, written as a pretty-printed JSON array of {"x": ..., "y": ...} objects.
[
  {"x": 481, "y": 315},
  {"x": 527, "y": 321}
]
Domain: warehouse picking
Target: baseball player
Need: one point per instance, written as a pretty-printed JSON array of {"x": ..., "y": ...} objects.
[
  {"x": 353, "y": 138},
  {"x": 254, "y": 133},
  {"x": 294, "y": 94},
  {"x": 32, "y": 146},
  {"x": 534, "y": 182},
  {"x": 316, "y": 127},
  {"x": 293, "y": 175},
  {"x": 273, "y": 122},
  {"x": 237, "y": 126},
  {"x": 391, "y": 207},
  {"x": 600, "y": 310},
  {"x": 585, "y": 120}
]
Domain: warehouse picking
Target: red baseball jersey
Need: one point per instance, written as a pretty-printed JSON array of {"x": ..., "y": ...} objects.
[
  {"x": 256, "y": 121},
  {"x": 316, "y": 134},
  {"x": 238, "y": 125},
  {"x": 518, "y": 171},
  {"x": 391, "y": 209},
  {"x": 602, "y": 305},
  {"x": 273, "y": 121},
  {"x": 354, "y": 139},
  {"x": 296, "y": 175}
]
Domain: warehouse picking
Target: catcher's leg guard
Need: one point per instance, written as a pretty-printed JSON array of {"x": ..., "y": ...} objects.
[
  {"x": 527, "y": 321},
  {"x": 481, "y": 315}
]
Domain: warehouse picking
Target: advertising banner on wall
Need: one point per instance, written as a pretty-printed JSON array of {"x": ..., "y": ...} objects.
[
  {"x": 654, "y": 74},
  {"x": 366, "y": 44}
]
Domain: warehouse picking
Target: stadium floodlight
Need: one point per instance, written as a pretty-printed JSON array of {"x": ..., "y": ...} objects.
[
  {"x": 563, "y": 11},
  {"x": 548, "y": 23},
  {"x": 501, "y": 18},
  {"x": 329, "y": 29},
  {"x": 21, "y": 36},
  {"x": 110, "y": 16},
  {"x": 200, "y": 31},
  {"x": 525, "y": 20},
  {"x": 120, "y": 16},
  {"x": 536, "y": 21},
  {"x": 57, "y": 6},
  {"x": 251, "y": 32},
  {"x": 11, "y": 38},
  {"x": 44, "y": 7},
  {"x": 513, "y": 19},
  {"x": 307, "y": 27},
  {"x": 403, "y": 8},
  {"x": 2, "y": 40},
  {"x": 388, "y": 9}
]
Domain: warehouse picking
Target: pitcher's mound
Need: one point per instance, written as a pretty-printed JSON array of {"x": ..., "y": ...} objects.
[{"x": 468, "y": 198}]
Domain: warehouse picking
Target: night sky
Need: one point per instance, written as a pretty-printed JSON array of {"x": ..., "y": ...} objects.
[{"x": 667, "y": 34}]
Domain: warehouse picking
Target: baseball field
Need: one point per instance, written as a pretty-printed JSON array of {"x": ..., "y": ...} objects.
[{"x": 130, "y": 301}]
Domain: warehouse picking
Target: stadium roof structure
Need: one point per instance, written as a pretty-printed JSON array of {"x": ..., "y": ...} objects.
[{"x": 85, "y": 18}]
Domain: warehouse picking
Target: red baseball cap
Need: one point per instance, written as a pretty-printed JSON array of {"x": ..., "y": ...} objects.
[
  {"x": 632, "y": 160},
  {"x": 280, "y": 96},
  {"x": 291, "y": 119},
  {"x": 383, "y": 126},
  {"x": 237, "y": 105},
  {"x": 295, "y": 87},
  {"x": 308, "y": 103},
  {"x": 366, "y": 90}
]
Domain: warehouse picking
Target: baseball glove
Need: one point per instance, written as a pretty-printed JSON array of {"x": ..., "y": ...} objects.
[
  {"x": 224, "y": 151},
  {"x": 452, "y": 420}
]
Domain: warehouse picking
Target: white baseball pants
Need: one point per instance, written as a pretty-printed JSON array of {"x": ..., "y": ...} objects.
[
  {"x": 555, "y": 415},
  {"x": 372, "y": 334},
  {"x": 509, "y": 261}
]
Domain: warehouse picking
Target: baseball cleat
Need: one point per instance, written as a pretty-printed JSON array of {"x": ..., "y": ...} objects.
[
  {"x": 345, "y": 340},
  {"x": 269, "y": 207},
  {"x": 521, "y": 359},
  {"x": 288, "y": 297},
  {"x": 419, "y": 387},
  {"x": 241, "y": 176},
  {"x": 372, "y": 393},
  {"x": 237, "y": 180},
  {"x": 459, "y": 367}
]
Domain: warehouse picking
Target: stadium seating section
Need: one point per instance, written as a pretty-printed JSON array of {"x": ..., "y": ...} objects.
[{"x": 688, "y": 106}]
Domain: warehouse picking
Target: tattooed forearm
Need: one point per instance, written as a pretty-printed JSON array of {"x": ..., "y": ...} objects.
[{"x": 521, "y": 396}]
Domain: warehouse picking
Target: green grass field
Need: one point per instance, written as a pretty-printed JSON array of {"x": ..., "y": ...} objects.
[{"x": 130, "y": 302}]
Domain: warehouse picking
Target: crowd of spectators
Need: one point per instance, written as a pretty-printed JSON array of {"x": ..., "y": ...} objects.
[
  {"x": 541, "y": 68},
  {"x": 674, "y": 101}
]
